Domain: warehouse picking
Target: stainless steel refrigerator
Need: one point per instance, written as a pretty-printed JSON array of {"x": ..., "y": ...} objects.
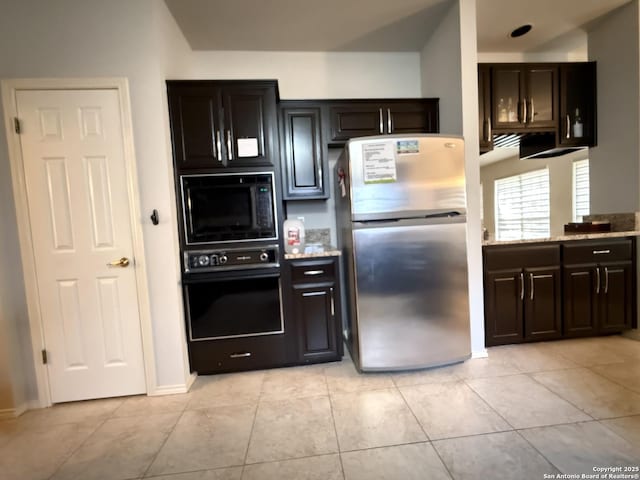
[{"x": 401, "y": 215}]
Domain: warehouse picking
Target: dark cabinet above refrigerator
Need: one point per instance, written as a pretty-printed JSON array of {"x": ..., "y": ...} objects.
[{"x": 220, "y": 124}]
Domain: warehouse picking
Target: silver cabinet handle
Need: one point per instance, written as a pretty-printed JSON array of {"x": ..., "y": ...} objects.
[
  {"x": 381, "y": 121},
  {"x": 489, "y": 135},
  {"x": 601, "y": 252},
  {"x": 532, "y": 112},
  {"x": 521, "y": 286},
  {"x": 568, "y": 127},
  {"x": 333, "y": 305},
  {"x": 531, "y": 284},
  {"x": 240, "y": 355},
  {"x": 524, "y": 113},
  {"x": 597, "y": 280},
  {"x": 606, "y": 280},
  {"x": 389, "y": 122},
  {"x": 229, "y": 150},
  {"x": 219, "y": 146},
  {"x": 313, "y": 272},
  {"x": 314, "y": 294}
]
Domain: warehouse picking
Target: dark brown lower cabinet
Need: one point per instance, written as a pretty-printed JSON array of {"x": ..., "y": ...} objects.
[
  {"x": 522, "y": 294},
  {"x": 599, "y": 283},
  {"x": 315, "y": 309},
  {"x": 553, "y": 290}
]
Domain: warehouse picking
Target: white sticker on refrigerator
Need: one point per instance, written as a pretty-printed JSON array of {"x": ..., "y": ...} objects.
[{"x": 379, "y": 162}]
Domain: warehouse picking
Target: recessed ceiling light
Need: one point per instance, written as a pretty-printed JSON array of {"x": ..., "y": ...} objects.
[{"x": 518, "y": 32}]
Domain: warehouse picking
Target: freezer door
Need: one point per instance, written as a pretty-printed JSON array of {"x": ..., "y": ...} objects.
[
  {"x": 400, "y": 176},
  {"x": 411, "y": 295}
]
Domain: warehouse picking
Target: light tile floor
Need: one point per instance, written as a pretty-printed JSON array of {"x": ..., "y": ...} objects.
[{"x": 526, "y": 411}]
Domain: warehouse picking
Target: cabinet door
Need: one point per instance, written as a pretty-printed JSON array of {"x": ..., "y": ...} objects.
[
  {"x": 250, "y": 121},
  {"x": 195, "y": 126},
  {"x": 484, "y": 108},
  {"x": 315, "y": 313},
  {"x": 542, "y": 303},
  {"x": 355, "y": 120},
  {"x": 577, "y": 104},
  {"x": 504, "y": 294},
  {"x": 508, "y": 95},
  {"x": 616, "y": 302},
  {"x": 420, "y": 116},
  {"x": 304, "y": 167},
  {"x": 541, "y": 102},
  {"x": 581, "y": 291}
]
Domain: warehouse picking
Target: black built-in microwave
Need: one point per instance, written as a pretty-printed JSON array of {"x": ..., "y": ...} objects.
[{"x": 228, "y": 207}]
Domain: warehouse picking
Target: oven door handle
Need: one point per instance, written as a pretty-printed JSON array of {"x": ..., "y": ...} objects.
[{"x": 229, "y": 275}]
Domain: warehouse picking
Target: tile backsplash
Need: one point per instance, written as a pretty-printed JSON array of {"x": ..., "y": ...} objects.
[{"x": 620, "y": 222}]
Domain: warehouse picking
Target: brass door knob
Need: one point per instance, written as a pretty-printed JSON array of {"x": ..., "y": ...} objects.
[{"x": 123, "y": 262}]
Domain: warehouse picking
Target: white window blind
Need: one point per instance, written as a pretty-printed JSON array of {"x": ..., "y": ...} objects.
[
  {"x": 580, "y": 189},
  {"x": 522, "y": 206}
]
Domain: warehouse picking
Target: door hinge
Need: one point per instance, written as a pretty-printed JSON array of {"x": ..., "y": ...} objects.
[
  {"x": 16, "y": 125},
  {"x": 44, "y": 356}
]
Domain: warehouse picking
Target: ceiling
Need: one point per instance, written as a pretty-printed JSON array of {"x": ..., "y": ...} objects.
[{"x": 376, "y": 25}]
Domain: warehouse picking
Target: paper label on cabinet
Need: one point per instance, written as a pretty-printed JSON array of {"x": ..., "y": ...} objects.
[
  {"x": 404, "y": 147},
  {"x": 247, "y": 147},
  {"x": 379, "y": 162}
]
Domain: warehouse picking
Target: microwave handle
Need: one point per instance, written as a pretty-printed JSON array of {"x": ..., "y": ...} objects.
[{"x": 229, "y": 145}]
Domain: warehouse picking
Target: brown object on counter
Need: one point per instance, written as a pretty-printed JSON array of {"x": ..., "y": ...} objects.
[{"x": 586, "y": 227}]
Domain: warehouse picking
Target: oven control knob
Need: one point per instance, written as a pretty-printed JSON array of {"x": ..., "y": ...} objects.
[
  {"x": 222, "y": 259},
  {"x": 264, "y": 256},
  {"x": 203, "y": 260}
]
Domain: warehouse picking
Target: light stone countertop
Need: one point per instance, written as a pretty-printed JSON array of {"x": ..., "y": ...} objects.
[
  {"x": 564, "y": 238},
  {"x": 327, "y": 251}
]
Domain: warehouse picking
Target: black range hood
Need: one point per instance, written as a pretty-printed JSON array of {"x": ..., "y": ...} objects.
[{"x": 533, "y": 144}]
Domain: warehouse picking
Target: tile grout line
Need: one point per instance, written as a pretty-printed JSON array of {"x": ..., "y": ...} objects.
[
  {"x": 253, "y": 424},
  {"x": 333, "y": 418},
  {"x": 73, "y": 452},
  {"x": 166, "y": 439},
  {"x": 530, "y": 375},
  {"x": 539, "y": 452},
  {"x": 483, "y": 400},
  {"x": 429, "y": 441},
  {"x": 610, "y": 379}
]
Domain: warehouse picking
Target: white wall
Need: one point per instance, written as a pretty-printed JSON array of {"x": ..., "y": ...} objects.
[
  {"x": 614, "y": 44},
  {"x": 93, "y": 38},
  {"x": 449, "y": 72},
  {"x": 560, "y": 186},
  {"x": 313, "y": 75},
  {"x": 441, "y": 70}
]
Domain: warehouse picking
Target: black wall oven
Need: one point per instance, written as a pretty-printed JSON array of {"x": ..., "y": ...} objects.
[
  {"x": 232, "y": 293},
  {"x": 228, "y": 207}
]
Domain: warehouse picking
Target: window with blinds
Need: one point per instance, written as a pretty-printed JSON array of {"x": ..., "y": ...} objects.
[
  {"x": 580, "y": 189},
  {"x": 522, "y": 206}
]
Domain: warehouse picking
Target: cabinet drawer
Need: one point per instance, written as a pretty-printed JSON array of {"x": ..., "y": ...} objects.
[
  {"x": 236, "y": 354},
  {"x": 594, "y": 252},
  {"x": 503, "y": 257},
  {"x": 313, "y": 271}
]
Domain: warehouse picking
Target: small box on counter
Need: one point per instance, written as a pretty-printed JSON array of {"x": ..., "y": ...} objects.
[{"x": 587, "y": 227}]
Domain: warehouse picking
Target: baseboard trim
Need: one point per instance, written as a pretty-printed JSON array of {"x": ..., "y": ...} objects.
[
  {"x": 174, "y": 389},
  {"x": 9, "y": 413},
  {"x": 480, "y": 353},
  {"x": 632, "y": 334}
]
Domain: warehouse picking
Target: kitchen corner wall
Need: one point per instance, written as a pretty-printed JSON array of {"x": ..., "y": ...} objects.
[
  {"x": 449, "y": 72},
  {"x": 614, "y": 164},
  {"x": 92, "y": 38}
]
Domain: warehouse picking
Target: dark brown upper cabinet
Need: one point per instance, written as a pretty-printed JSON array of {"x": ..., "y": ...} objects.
[
  {"x": 218, "y": 124},
  {"x": 359, "y": 118},
  {"x": 524, "y": 96},
  {"x": 304, "y": 153},
  {"x": 484, "y": 108},
  {"x": 577, "y": 104}
]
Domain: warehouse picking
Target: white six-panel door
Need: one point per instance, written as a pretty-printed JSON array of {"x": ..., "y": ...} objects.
[{"x": 75, "y": 175}]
